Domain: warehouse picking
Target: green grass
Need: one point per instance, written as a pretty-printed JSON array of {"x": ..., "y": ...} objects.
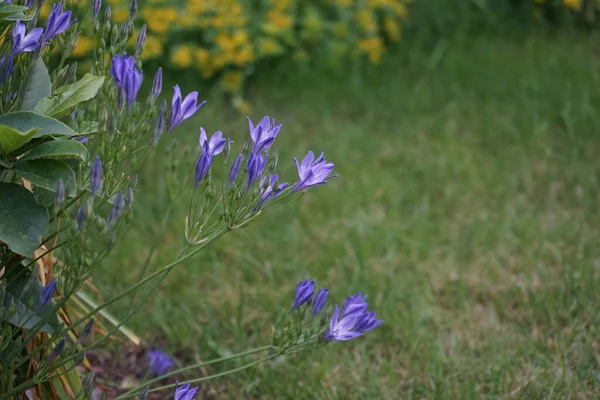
[{"x": 466, "y": 208}]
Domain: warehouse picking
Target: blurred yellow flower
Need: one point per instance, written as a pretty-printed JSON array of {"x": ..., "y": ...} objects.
[
  {"x": 182, "y": 56},
  {"x": 392, "y": 29},
  {"x": 152, "y": 48},
  {"x": 83, "y": 47},
  {"x": 241, "y": 105},
  {"x": 268, "y": 46},
  {"x": 120, "y": 14},
  {"x": 279, "y": 20},
  {"x": 343, "y": 3},
  {"x": 573, "y": 4},
  {"x": 373, "y": 47},
  {"x": 365, "y": 20},
  {"x": 232, "y": 81},
  {"x": 340, "y": 29}
]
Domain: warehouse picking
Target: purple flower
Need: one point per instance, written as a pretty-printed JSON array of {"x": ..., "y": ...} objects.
[
  {"x": 60, "y": 346},
  {"x": 304, "y": 292},
  {"x": 58, "y": 21},
  {"x": 319, "y": 301},
  {"x": 235, "y": 170},
  {"x": 202, "y": 167},
  {"x": 127, "y": 77},
  {"x": 264, "y": 134},
  {"x": 80, "y": 218},
  {"x": 159, "y": 362},
  {"x": 183, "y": 109},
  {"x": 24, "y": 42},
  {"x": 6, "y": 69},
  {"x": 80, "y": 139},
  {"x": 255, "y": 167},
  {"x": 121, "y": 67},
  {"x": 215, "y": 145},
  {"x": 96, "y": 9},
  {"x": 115, "y": 211},
  {"x": 157, "y": 84},
  {"x": 312, "y": 172},
  {"x": 352, "y": 321},
  {"x": 141, "y": 40},
  {"x": 272, "y": 191},
  {"x": 184, "y": 392},
  {"x": 47, "y": 293},
  {"x": 96, "y": 176}
]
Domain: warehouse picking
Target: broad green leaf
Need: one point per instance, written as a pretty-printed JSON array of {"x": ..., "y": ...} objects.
[
  {"x": 25, "y": 120},
  {"x": 70, "y": 95},
  {"x": 37, "y": 85},
  {"x": 11, "y": 139},
  {"x": 46, "y": 173},
  {"x": 7, "y": 9},
  {"x": 23, "y": 221},
  {"x": 57, "y": 149},
  {"x": 23, "y": 296}
]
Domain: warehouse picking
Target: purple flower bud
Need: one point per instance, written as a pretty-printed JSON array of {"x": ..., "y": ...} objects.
[
  {"x": 59, "y": 195},
  {"x": 235, "y": 170},
  {"x": 159, "y": 127},
  {"x": 128, "y": 78},
  {"x": 184, "y": 392},
  {"x": 312, "y": 172},
  {"x": 255, "y": 167},
  {"x": 60, "y": 346},
  {"x": 6, "y": 69},
  {"x": 159, "y": 362},
  {"x": 86, "y": 331},
  {"x": 115, "y": 211},
  {"x": 183, "y": 109},
  {"x": 58, "y": 21},
  {"x": 141, "y": 40},
  {"x": 47, "y": 293},
  {"x": 133, "y": 8},
  {"x": 96, "y": 9},
  {"x": 24, "y": 42},
  {"x": 96, "y": 176},
  {"x": 202, "y": 168},
  {"x": 319, "y": 301},
  {"x": 80, "y": 218},
  {"x": 157, "y": 84},
  {"x": 304, "y": 292}
]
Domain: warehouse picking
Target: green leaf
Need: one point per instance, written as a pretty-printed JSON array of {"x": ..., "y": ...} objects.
[
  {"x": 7, "y": 9},
  {"x": 23, "y": 221},
  {"x": 46, "y": 173},
  {"x": 37, "y": 85},
  {"x": 57, "y": 149},
  {"x": 70, "y": 95},
  {"x": 11, "y": 139},
  {"x": 23, "y": 296},
  {"x": 25, "y": 120}
]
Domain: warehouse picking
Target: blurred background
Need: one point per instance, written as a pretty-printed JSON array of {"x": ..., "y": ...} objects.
[{"x": 465, "y": 134}]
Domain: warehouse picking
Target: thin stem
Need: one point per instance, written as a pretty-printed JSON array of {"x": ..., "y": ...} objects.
[{"x": 190, "y": 367}]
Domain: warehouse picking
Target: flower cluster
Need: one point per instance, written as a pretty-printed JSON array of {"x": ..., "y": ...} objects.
[
  {"x": 566, "y": 10},
  {"x": 225, "y": 39}
]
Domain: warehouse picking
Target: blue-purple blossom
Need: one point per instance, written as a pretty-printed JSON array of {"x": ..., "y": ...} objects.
[
  {"x": 96, "y": 176},
  {"x": 263, "y": 135},
  {"x": 304, "y": 293},
  {"x": 235, "y": 170},
  {"x": 24, "y": 42},
  {"x": 47, "y": 293},
  {"x": 255, "y": 167},
  {"x": 159, "y": 362},
  {"x": 115, "y": 211},
  {"x": 202, "y": 167},
  {"x": 58, "y": 21},
  {"x": 184, "y": 392},
  {"x": 96, "y": 9},
  {"x": 312, "y": 172},
  {"x": 60, "y": 346},
  {"x": 182, "y": 109},
  {"x": 127, "y": 77},
  {"x": 352, "y": 320},
  {"x": 319, "y": 301},
  {"x": 80, "y": 218},
  {"x": 6, "y": 69},
  {"x": 215, "y": 145},
  {"x": 141, "y": 40},
  {"x": 157, "y": 84},
  {"x": 271, "y": 191},
  {"x": 85, "y": 332},
  {"x": 80, "y": 139}
]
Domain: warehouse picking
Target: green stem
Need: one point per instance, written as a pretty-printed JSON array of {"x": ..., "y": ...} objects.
[{"x": 190, "y": 367}]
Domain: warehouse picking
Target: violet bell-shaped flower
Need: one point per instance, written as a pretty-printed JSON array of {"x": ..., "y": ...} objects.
[
  {"x": 263, "y": 135},
  {"x": 256, "y": 165},
  {"x": 319, "y": 301},
  {"x": 272, "y": 191},
  {"x": 352, "y": 320},
  {"x": 304, "y": 293},
  {"x": 235, "y": 170},
  {"x": 128, "y": 78},
  {"x": 182, "y": 109},
  {"x": 185, "y": 392},
  {"x": 47, "y": 293},
  {"x": 58, "y": 21},
  {"x": 159, "y": 362},
  {"x": 24, "y": 42},
  {"x": 96, "y": 176},
  {"x": 312, "y": 172},
  {"x": 209, "y": 150}
]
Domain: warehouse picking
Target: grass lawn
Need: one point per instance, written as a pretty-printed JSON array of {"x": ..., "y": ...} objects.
[{"x": 466, "y": 208}]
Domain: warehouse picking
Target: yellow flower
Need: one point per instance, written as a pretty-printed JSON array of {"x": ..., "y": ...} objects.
[
  {"x": 366, "y": 21},
  {"x": 301, "y": 55},
  {"x": 224, "y": 41},
  {"x": 241, "y": 105},
  {"x": 186, "y": 20},
  {"x": 83, "y": 46},
  {"x": 373, "y": 47},
  {"x": 344, "y": 3},
  {"x": 391, "y": 29},
  {"x": 159, "y": 20},
  {"x": 197, "y": 7},
  {"x": 245, "y": 55},
  {"x": 152, "y": 48},
  {"x": 202, "y": 56},
  {"x": 232, "y": 81},
  {"x": 340, "y": 29},
  {"x": 279, "y": 20},
  {"x": 120, "y": 15},
  {"x": 399, "y": 9},
  {"x": 240, "y": 38},
  {"x": 182, "y": 56},
  {"x": 573, "y": 4},
  {"x": 268, "y": 46}
]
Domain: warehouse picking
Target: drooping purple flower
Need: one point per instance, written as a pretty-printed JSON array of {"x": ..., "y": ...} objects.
[
  {"x": 115, "y": 211},
  {"x": 159, "y": 127},
  {"x": 159, "y": 363},
  {"x": 157, "y": 84},
  {"x": 235, "y": 170},
  {"x": 96, "y": 176},
  {"x": 255, "y": 167},
  {"x": 263, "y": 135},
  {"x": 304, "y": 292},
  {"x": 312, "y": 172},
  {"x": 58, "y": 21},
  {"x": 128, "y": 78},
  {"x": 47, "y": 293},
  {"x": 96, "y": 9},
  {"x": 184, "y": 392},
  {"x": 182, "y": 109},
  {"x": 24, "y": 42},
  {"x": 352, "y": 320},
  {"x": 80, "y": 218},
  {"x": 319, "y": 301}
]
